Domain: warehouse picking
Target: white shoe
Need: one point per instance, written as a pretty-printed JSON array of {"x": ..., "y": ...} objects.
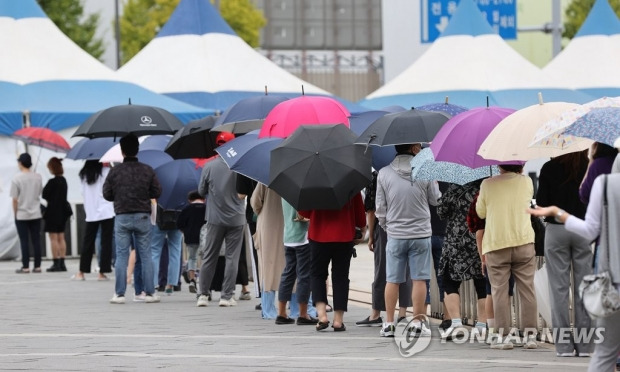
[
  {"x": 228, "y": 303},
  {"x": 583, "y": 355},
  {"x": 563, "y": 355},
  {"x": 420, "y": 331},
  {"x": 151, "y": 299},
  {"x": 139, "y": 297},
  {"x": 498, "y": 344},
  {"x": 245, "y": 296},
  {"x": 203, "y": 300},
  {"x": 117, "y": 299},
  {"x": 530, "y": 343}
]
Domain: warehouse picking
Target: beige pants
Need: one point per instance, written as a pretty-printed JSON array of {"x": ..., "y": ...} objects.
[{"x": 521, "y": 261}]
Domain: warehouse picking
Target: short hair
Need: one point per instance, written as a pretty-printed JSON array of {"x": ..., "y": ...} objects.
[
  {"x": 193, "y": 195},
  {"x": 130, "y": 145},
  {"x": 405, "y": 148},
  {"x": 55, "y": 166},
  {"x": 515, "y": 168}
]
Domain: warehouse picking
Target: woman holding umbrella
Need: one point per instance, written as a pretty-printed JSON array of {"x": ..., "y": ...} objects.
[{"x": 56, "y": 213}]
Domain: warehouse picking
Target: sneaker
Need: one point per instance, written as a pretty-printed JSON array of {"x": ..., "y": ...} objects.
[
  {"x": 498, "y": 344},
  {"x": 420, "y": 331},
  {"x": 169, "y": 291},
  {"x": 370, "y": 323},
  {"x": 117, "y": 299},
  {"x": 203, "y": 300},
  {"x": 457, "y": 332},
  {"x": 583, "y": 355},
  {"x": 192, "y": 286},
  {"x": 245, "y": 296},
  {"x": 564, "y": 355},
  {"x": 185, "y": 276},
  {"x": 387, "y": 330},
  {"x": 445, "y": 324},
  {"x": 151, "y": 298},
  {"x": 228, "y": 303},
  {"x": 139, "y": 297},
  {"x": 530, "y": 343}
]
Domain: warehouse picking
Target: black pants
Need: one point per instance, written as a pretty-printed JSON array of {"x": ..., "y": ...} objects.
[
  {"x": 339, "y": 254},
  {"x": 88, "y": 245},
  {"x": 29, "y": 231}
]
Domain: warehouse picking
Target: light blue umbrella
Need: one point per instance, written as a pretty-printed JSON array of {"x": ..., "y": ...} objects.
[
  {"x": 425, "y": 167},
  {"x": 600, "y": 124},
  {"x": 448, "y": 108}
]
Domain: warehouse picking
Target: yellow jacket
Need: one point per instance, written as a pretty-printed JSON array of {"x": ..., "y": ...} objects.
[{"x": 502, "y": 202}]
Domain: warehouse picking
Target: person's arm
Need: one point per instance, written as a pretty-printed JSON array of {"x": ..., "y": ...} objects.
[
  {"x": 433, "y": 193},
  {"x": 380, "y": 204},
  {"x": 108, "y": 188},
  {"x": 370, "y": 221},
  {"x": 481, "y": 206},
  {"x": 15, "y": 208},
  {"x": 203, "y": 186},
  {"x": 479, "y": 236},
  {"x": 154, "y": 187}
]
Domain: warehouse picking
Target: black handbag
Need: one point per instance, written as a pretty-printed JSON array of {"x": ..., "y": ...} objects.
[{"x": 539, "y": 235}]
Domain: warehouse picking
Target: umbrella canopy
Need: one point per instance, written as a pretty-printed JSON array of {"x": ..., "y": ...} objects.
[
  {"x": 247, "y": 114},
  {"x": 460, "y": 138},
  {"x": 319, "y": 167},
  {"x": 91, "y": 149},
  {"x": 42, "y": 137},
  {"x": 600, "y": 125},
  {"x": 381, "y": 156},
  {"x": 425, "y": 167},
  {"x": 445, "y": 107},
  {"x": 118, "y": 121},
  {"x": 249, "y": 155},
  {"x": 411, "y": 126},
  {"x": 509, "y": 140},
  {"x": 177, "y": 178},
  {"x": 552, "y": 133},
  {"x": 289, "y": 115},
  {"x": 195, "y": 140},
  {"x": 151, "y": 152}
]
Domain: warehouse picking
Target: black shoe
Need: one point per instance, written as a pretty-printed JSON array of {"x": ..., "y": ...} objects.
[
  {"x": 370, "y": 323},
  {"x": 185, "y": 276},
  {"x": 342, "y": 328},
  {"x": 258, "y": 307},
  {"x": 176, "y": 288},
  {"x": 445, "y": 324},
  {"x": 192, "y": 286},
  {"x": 284, "y": 320},
  {"x": 306, "y": 321},
  {"x": 61, "y": 265},
  {"x": 159, "y": 288}
]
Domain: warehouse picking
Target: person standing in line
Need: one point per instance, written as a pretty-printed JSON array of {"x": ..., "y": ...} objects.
[
  {"x": 26, "y": 189},
  {"x": 508, "y": 247},
  {"x": 402, "y": 207},
  {"x": 99, "y": 215},
  {"x": 191, "y": 219},
  {"x": 566, "y": 253},
  {"x": 298, "y": 264},
  {"x": 56, "y": 214},
  {"x": 602, "y": 158},
  {"x": 225, "y": 221},
  {"x": 438, "y": 226},
  {"x": 169, "y": 259},
  {"x": 131, "y": 185},
  {"x": 331, "y": 235},
  {"x": 377, "y": 241},
  {"x": 245, "y": 187}
]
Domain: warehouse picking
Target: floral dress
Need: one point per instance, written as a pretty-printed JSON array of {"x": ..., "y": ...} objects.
[{"x": 459, "y": 255}]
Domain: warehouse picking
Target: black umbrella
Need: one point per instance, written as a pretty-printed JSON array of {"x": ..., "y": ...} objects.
[
  {"x": 195, "y": 140},
  {"x": 118, "y": 121},
  {"x": 411, "y": 126},
  {"x": 319, "y": 167}
]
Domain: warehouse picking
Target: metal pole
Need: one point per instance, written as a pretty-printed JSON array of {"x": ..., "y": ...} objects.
[
  {"x": 557, "y": 27},
  {"x": 117, "y": 31}
]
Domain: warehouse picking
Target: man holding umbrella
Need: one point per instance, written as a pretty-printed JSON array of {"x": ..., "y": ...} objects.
[{"x": 131, "y": 185}]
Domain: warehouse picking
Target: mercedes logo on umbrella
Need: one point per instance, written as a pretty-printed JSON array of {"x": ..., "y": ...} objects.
[{"x": 146, "y": 121}]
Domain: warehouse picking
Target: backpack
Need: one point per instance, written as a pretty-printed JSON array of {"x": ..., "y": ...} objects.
[{"x": 167, "y": 218}]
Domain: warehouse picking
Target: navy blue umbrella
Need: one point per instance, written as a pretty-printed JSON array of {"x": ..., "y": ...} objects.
[
  {"x": 91, "y": 149},
  {"x": 448, "y": 108},
  {"x": 177, "y": 179},
  {"x": 154, "y": 158},
  {"x": 249, "y": 155}
]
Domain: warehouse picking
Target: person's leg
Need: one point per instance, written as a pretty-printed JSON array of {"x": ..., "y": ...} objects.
[
  {"x": 175, "y": 242},
  {"x": 34, "y": 227},
  {"x": 606, "y": 352},
  {"x": 395, "y": 266},
  {"x": 378, "y": 285},
  {"x": 142, "y": 233},
  {"x": 319, "y": 272},
  {"x": 62, "y": 251},
  {"x": 436, "y": 247},
  {"x": 287, "y": 280},
  {"x": 106, "y": 228},
  {"x": 54, "y": 248},
  {"x": 523, "y": 270},
  {"x": 234, "y": 240},
  {"x": 157, "y": 244},
  {"x": 213, "y": 239},
  {"x": 131, "y": 265},
  {"x": 419, "y": 258},
  {"x": 242, "y": 268},
  {"x": 303, "y": 257},
  {"x": 582, "y": 266},
  {"x": 498, "y": 265},
  {"x": 192, "y": 250},
  {"x": 123, "y": 238},
  {"x": 557, "y": 260},
  {"x": 452, "y": 297},
  {"x": 24, "y": 237},
  {"x": 88, "y": 248},
  {"x": 341, "y": 263}
]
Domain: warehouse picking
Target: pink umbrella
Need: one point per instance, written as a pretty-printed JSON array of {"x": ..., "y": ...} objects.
[
  {"x": 459, "y": 138},
  {"x": 287, "y": 116}
]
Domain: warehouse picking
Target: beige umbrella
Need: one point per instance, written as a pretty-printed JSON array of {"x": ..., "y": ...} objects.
[{"x": 511, "y": 138}]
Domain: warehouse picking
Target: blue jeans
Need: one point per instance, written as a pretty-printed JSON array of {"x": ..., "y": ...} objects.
[
  {"x": 138, "y": 226},
  {"x": 298, "y": 260},
  {"x": 415, "y": 251},
  {"x": 175, "y": 237}
]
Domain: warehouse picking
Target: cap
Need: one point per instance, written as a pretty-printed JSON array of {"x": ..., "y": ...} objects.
[
  {"x": 25, "y": 159},
  {"x": 223, "y": 137}
]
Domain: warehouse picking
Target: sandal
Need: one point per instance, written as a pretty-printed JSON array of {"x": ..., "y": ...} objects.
[
  {"x": 22, "y": 270},
  {"x": 342, "y": 328},
  {"x": 322, "y": 325},
  {"x": 36, "y": 270}
]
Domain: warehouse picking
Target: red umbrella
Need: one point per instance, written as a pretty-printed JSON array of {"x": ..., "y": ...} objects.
[
  {"x": 289, "y": 115},
  {"x": 42, "y": 137}
]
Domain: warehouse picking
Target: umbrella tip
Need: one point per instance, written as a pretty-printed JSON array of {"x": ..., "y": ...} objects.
[
  {"x": 265, "y": 90},
  {"x": 302, "y": 90},
  {"x": 487, "y": 101},
  {"x": 540, "y": 99},
  {"x": 130, "y": 100},
  {"x": 447, "y": 98}
]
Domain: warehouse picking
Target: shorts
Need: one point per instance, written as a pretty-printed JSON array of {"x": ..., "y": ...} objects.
[{"x": 416, "y": 252}]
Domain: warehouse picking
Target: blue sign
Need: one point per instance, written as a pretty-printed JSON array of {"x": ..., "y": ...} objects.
[{"x": 435, "y": 14}]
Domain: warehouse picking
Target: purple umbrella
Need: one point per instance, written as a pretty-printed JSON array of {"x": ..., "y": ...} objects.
[{"x": 459, "y": 138}]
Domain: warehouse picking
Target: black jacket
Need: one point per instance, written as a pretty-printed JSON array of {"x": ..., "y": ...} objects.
[{"x": 131, "y": 186}]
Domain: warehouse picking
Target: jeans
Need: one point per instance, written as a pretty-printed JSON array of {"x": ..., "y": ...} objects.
[
  {"x": 138, "y": 226},
  {"x": 174, "y": 237},
  {"x": 26, "y": 230},
  {"x": 192, "y": 252},
  {"x": 298, "y": 260}
]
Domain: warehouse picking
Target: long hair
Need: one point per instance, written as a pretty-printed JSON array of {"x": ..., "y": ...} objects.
[
  {"x": 91, "y": 171},
  {"x": 575, "y": 165}
]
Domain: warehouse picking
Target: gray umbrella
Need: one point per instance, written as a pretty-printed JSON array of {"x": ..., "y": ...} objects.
[
  {"x": 411, "y": 126},
  {"x": 319, "y": 167},
  {"x": 118, "y": 121}
]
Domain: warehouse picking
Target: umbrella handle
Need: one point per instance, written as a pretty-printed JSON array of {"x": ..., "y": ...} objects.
[{"x": 372, "y": 136}]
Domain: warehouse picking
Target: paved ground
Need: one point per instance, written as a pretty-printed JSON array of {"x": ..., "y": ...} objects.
[{"x": 49, "y": 323}]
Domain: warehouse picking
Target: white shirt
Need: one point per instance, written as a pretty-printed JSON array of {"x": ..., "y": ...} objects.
[{"x": 95, "y": 206}]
